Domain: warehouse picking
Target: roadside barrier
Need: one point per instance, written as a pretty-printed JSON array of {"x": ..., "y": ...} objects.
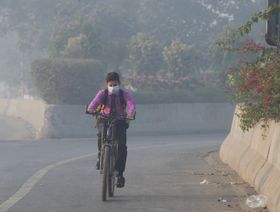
[
  {"x": 255, "y": 155},
  {"x": 70, "y": 121}
]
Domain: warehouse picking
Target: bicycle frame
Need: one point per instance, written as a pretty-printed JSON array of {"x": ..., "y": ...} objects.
[
  {"x": 108, "y": 141},
  {"x": 109, "y": 153}
]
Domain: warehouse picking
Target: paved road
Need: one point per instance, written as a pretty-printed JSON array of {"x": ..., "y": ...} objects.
[{"x": 59, "y": 176}]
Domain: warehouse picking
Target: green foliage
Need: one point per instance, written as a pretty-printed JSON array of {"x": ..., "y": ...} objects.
[
  {"x": 103, "y": 37},
  {"x": 124, "y": 34},
  {"x": 67, "y": 81},
  {"x": 163, "y": 19},
  {"x": 181, "y": 59},
  {"x": 145, "y": 54},
  {"x": 255, "y": 82},
  {"x": 259, "y": 16},
  {"x": 257, "y": 86},
  {"x": 77, "y": 40},
  {"x": 210, "y": 94},
  {"x": 154, "y": 89},
  {"x": 231, "y": 37}
]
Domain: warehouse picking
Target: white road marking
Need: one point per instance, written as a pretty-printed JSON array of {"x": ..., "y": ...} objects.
[{"x": 33, "y": 180}]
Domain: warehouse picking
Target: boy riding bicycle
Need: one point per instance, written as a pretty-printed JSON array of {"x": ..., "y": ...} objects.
[{"x": 119, "y": 103}]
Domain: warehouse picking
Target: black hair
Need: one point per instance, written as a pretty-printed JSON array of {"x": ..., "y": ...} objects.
[{"x": 112, "y": 76}]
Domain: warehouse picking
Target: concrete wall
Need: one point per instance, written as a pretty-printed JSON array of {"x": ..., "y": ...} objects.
[
  {"x": 172, "y": 118},
  {"x": 29, "y": 110},
  {"x": 256, "y": 158},
  {"x": 70, "y": 121},
  {"x": 62, "y": 121}
]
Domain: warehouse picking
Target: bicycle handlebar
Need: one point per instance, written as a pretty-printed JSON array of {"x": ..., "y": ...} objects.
[{"x": 96, "y": 113}]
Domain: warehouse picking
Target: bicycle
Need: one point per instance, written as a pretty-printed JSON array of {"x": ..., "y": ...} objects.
[{"x": 109, "y": 155}]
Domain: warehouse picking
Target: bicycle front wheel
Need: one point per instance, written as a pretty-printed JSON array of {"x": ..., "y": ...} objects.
[
  {"x": 112, "y": 175},
  {"x": 106, "y": 172}
]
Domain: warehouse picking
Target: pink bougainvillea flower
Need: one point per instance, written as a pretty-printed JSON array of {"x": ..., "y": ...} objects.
[
  {"x": 270, "y": 69},
  {"x": 258, "y": 89}
]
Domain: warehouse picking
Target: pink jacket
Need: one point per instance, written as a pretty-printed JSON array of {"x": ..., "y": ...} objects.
[{"x": 130, "y": 103}]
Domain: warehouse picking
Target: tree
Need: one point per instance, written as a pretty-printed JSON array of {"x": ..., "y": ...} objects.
[
  {"x": 57, "y": 25},
  {"x": 180, "y": 58},
  {"x": 145, "y": 54},
  {"x": 78, "y": 39}
]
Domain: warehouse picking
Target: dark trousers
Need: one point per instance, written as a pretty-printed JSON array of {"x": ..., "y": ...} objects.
[{"x": 119, "y": 134}]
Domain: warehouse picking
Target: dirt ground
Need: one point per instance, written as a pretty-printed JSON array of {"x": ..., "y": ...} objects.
[{"x": 224, "y": 176}]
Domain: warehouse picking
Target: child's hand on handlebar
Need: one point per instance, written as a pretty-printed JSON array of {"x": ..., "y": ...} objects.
[
  {"x": 91, "y": 112},
  {"x": 130, "y": 116}
]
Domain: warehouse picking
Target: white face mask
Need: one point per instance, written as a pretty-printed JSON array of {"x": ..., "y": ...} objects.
[{"x": 114, "y": 89}]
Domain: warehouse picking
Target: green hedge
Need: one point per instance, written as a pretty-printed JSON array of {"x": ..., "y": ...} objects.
[
  {"x": 67, "y": 81},
  {"x": 207, "y": 94}
]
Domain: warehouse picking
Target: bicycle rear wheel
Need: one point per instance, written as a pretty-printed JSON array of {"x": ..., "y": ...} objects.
[{"x": 106, "y": 172}]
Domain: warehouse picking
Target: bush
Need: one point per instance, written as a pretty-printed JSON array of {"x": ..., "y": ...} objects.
[
  {"x": 255, "y": 81},
  {"x": 197, "y": 95},
  {"x": 257, "y": 86},
  {"x": 67, "y": 81},
  {"x": 150, "y": 89},
  {"x": 181, "y": 59}
]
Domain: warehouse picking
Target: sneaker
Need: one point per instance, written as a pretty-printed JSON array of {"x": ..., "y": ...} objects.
[
  {"x": 120, "y": 182},
  {"x": 97, "y": 165}
]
